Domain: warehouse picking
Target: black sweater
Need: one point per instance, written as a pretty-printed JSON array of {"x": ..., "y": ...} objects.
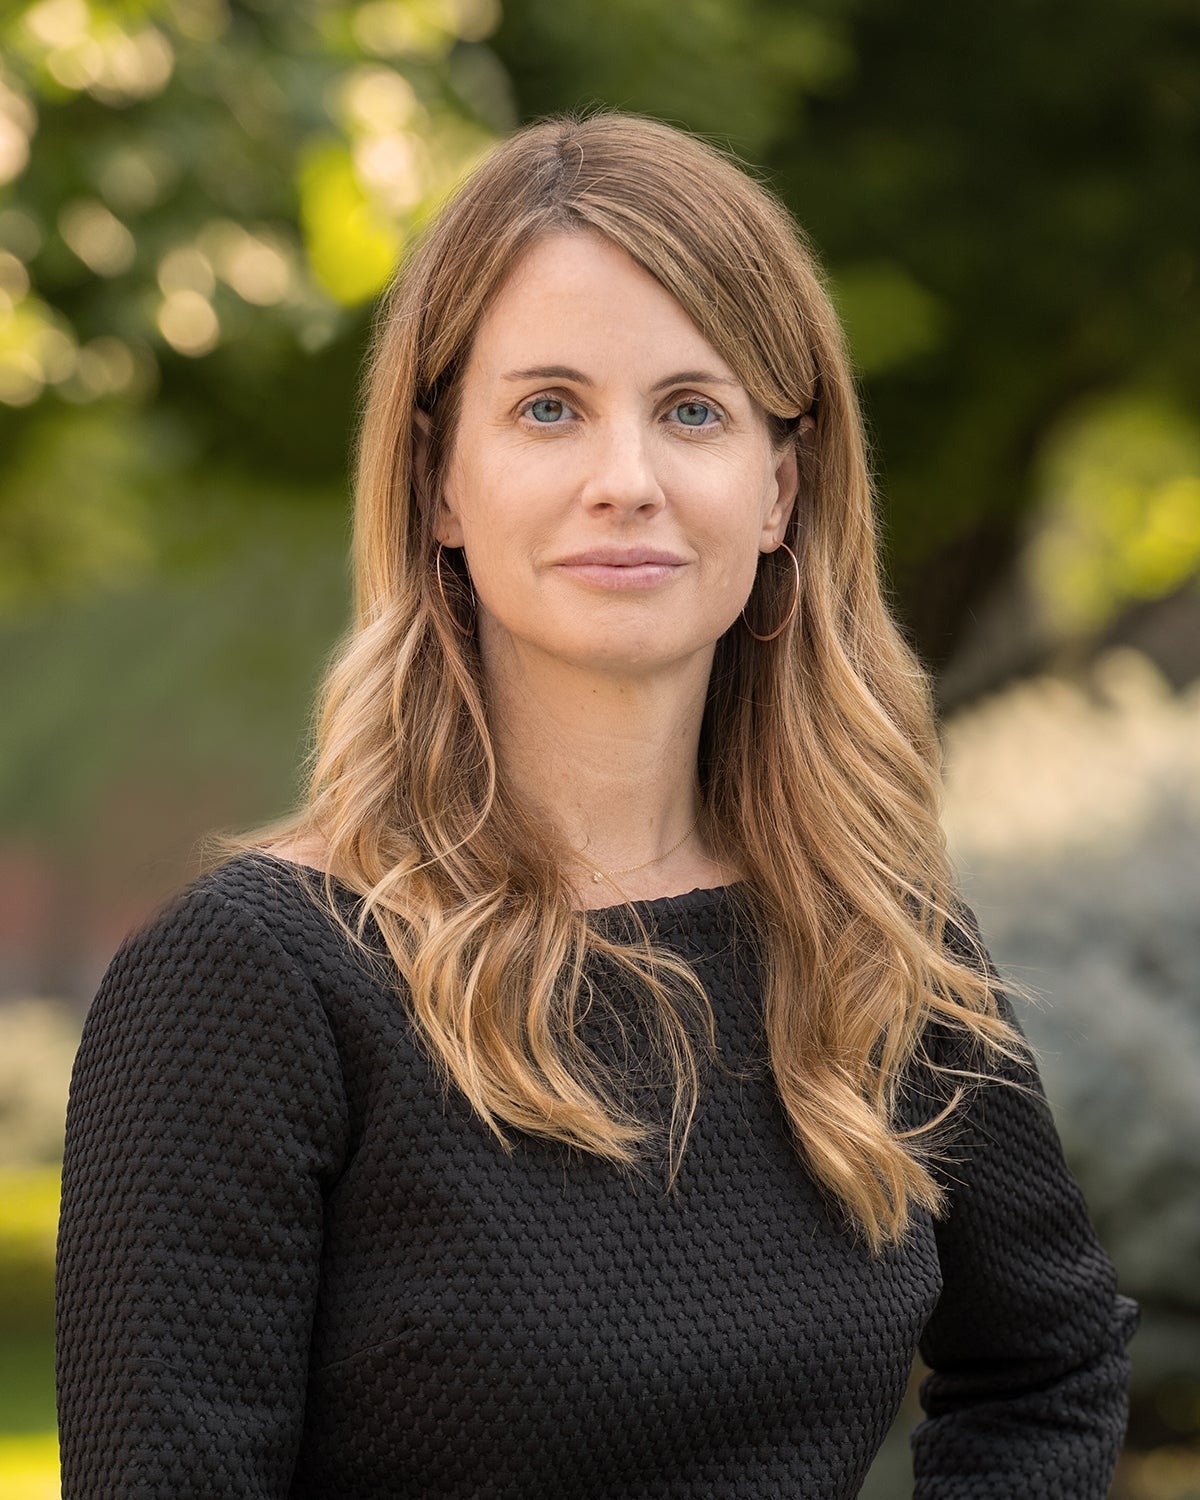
[{"x": 290, "y": 1264}]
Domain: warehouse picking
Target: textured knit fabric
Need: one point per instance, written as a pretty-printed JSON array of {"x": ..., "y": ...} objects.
[{"x": 291, "y": 1264}]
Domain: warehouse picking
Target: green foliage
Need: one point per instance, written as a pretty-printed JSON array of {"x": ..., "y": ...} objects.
[
  {"x": 198, "y": 201},
  {"x": 29, "y": 1466},
  {"x": 1122, "y": 512},
  {"x": 27, "y": 1403},
  {"x": 198, "y": 674},
  {"x": 1004, "y": 194},
  {"x": 29, "y": 1198},
  {"x": 352, "y": 244},
  {"x": 28, "y": 1228},
  {"x": 77, "y": 503},
  {"x": 732, "y": 70},
  {"x": 201, "y": 201},
  {"x": 889, "y": 318}
]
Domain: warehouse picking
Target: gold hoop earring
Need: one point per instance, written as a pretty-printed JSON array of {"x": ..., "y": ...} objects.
[
  {"x": 787, "y": 619},
  {"x": 437, "y": 568}
]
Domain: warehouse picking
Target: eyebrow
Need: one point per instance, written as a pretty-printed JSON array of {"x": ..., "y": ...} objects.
[{"x": 565, "y": 372}]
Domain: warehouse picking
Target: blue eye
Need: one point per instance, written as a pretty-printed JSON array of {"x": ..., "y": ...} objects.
[
  {"x": 550, "y": 410},
  {"x": 693, "y": 413}
]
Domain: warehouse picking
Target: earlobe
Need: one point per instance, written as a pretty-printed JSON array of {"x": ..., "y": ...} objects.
[{"x": 448, "y": 530}]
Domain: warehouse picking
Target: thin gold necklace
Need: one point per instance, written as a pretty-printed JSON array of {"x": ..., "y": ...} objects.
[{"x": 599, "y": 875}]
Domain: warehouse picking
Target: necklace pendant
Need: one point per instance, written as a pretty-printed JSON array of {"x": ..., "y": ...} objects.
[{"x": 597, "y": 877}]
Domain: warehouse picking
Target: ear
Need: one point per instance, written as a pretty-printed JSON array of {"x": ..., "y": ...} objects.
[
  {"x": 793, "y": 460},
  {"x": 785, "y": 482},
  {"x": 445, "y": 526}
]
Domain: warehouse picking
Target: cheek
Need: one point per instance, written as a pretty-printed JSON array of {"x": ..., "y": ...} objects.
[
  {"x": 732, "y": 548},
  {"x": 472, "y": 506},
  {"x": 451, "y": 519},
  {"x": 740, "y": 575},
  {"x": 732, "y": 532}
]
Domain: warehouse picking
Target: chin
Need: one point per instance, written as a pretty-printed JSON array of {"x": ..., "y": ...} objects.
[
  {"x": 637, "y": 648},
  {"x": 640, "y": 654}
]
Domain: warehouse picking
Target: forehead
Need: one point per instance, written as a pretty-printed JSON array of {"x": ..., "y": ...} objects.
[{"x": 576, "y": 293}]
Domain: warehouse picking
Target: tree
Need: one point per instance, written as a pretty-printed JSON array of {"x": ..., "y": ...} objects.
[
  {"x": 1004, "y": 193},
  {"x": 198, "y": 201}
]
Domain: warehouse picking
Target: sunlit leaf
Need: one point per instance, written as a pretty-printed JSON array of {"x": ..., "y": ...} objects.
[
  {"x": 1122, "y": 511},
  {"x": 352, "y": 246}
]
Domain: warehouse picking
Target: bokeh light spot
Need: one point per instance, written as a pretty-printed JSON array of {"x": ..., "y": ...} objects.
[
  {"x": 97, "y": 236},
  {"x": 189, "y": 323}
]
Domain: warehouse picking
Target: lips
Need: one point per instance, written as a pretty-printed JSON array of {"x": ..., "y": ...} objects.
[
  {"x": 623, "y": 569},
  {"x": 623, "y": 557}
]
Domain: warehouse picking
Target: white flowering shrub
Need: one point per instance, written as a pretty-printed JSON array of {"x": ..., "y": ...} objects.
[
  {"x": 1073, "y": 813},
  {"x": 38, "y": 1039}
]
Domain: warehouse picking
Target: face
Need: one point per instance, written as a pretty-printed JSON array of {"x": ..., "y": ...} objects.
[{"x": 611, "y": 481}]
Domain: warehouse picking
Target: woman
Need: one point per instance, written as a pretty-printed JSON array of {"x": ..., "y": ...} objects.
[{"x": 596, "y": 1089}]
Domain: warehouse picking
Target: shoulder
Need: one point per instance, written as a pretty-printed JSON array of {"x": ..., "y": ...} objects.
[
  {"x": 250, "y": 925},
  {"x": 261, "y": 896},
  {"x": 205, "y": 1024},
  {"x": 218, "y": 983}
]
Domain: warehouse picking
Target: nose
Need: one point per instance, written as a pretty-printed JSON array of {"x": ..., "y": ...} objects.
[{"x": 621, "y": 476}]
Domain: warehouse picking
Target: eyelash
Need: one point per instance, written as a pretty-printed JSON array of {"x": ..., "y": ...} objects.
[{"x": 718, "y": 412}]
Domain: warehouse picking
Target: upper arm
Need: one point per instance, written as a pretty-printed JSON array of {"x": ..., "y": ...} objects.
[
  {"x": 206, "y": 1116},
  {"x": 1027, "y": 1343}
]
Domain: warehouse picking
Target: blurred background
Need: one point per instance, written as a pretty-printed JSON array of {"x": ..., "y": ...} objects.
[{"x": 199, "y": 202}]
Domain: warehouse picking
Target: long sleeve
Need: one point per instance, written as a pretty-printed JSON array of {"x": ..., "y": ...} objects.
[
  {"x": 1027, "y": 1398},
  {"x": 206, "y": 1118}
]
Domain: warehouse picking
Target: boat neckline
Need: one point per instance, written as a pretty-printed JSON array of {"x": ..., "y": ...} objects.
[{"x": 698, "y": 897}]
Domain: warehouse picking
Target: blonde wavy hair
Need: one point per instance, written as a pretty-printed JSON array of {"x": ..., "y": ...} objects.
[{"x": 819, "y": 759}]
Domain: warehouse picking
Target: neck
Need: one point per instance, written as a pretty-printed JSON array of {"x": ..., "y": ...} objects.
[{"x": 611, "y": 762}]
